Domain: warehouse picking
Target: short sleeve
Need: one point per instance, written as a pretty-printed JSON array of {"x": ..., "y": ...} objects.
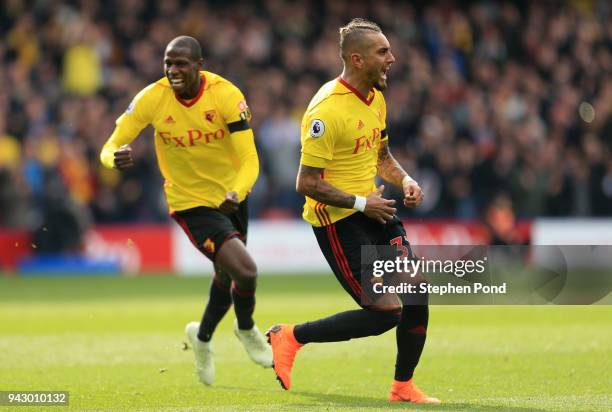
[
  {"x": 313, "y": 161},
  {"x": 319, "y": 132}
]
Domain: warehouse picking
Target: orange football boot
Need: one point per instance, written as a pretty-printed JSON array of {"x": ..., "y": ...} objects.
[
  {"x": 408, "y": 392},
  {"x": 284, "y": 348}
]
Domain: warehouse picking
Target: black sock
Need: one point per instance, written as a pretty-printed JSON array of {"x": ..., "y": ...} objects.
[
  {"x": 410, "y": 337},
  {"x": 244, "y": 306},
  {"x": 219, "y": 302},
  {"x": 346, "y": 325}
]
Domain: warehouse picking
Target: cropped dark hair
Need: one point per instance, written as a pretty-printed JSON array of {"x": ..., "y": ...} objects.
[{"x": 353, "y": 32}]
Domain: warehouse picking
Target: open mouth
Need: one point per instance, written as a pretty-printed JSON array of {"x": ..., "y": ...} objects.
[
  {"x": 177, "y": 82},
  {"x": 383, "y": 73}
]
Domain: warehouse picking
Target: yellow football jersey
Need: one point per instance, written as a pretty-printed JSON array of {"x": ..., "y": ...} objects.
[
  {"x": 341, "y": 133},
  {"x": 198, "y": 158}
]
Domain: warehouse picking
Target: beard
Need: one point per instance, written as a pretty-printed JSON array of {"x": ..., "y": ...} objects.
[
  {"x": 380, "y": 85},
  {"x": 377, "y": 81}
]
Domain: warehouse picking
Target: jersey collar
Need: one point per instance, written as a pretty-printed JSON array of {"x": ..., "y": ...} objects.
[
  {"x": 367, "y": 100},
  {"x": 189, "y": 103}
]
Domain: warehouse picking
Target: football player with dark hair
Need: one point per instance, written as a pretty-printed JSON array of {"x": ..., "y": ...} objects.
[{"x": 206, "y": 153}]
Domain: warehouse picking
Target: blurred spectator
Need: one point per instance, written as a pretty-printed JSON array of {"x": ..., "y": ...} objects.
[
  {"x": 279, "y": 136},
  {"x": 486, "y": 97},
  {"x": 500, "y": 220}
]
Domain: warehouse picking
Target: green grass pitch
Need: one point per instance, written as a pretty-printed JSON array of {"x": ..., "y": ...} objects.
[{"x": 117, "y": 344}]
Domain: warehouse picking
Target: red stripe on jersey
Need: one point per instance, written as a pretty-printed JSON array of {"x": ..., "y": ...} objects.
[
  {"x": 316, "y": 210},
  {"x": 322, "y": 214},
  {"x": 195, "y": 99},
  {"x": 326, "y": 214},
  {"x": 357, "y": 92}
]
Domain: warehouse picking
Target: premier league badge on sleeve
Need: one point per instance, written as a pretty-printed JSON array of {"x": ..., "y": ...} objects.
[
  {"x": 317, "y": 128},
  {"x": 130, "y": 108}
]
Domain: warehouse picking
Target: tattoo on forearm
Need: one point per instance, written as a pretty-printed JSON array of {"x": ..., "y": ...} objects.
[
  {"x": 389, "y": 168},
  {"x": 311, "y": 185},
  {"x": 383, "y": 153}
]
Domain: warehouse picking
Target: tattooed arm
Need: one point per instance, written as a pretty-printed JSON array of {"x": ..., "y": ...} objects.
[
  {"x": 309, "y": 183},
  {"x": 388, "y": 168},
  {"x": 391, "y": 171}
]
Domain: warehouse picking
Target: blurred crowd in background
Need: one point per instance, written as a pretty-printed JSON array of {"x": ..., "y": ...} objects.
[{"x": 492, "y": 106}]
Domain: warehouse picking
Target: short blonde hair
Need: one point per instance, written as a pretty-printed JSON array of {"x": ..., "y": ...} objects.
[{"x": 353, "y": 32}]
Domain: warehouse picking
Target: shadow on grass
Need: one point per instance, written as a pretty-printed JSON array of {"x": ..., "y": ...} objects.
[
  {"x": 362, "y": 402},
  {"x": 355, "y": 402}
]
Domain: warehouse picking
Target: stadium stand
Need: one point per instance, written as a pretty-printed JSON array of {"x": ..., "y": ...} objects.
[{"x": 489, "y": 102}]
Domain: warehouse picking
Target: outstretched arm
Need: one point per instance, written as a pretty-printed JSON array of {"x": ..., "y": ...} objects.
[{"x": 391, "y": 171}]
